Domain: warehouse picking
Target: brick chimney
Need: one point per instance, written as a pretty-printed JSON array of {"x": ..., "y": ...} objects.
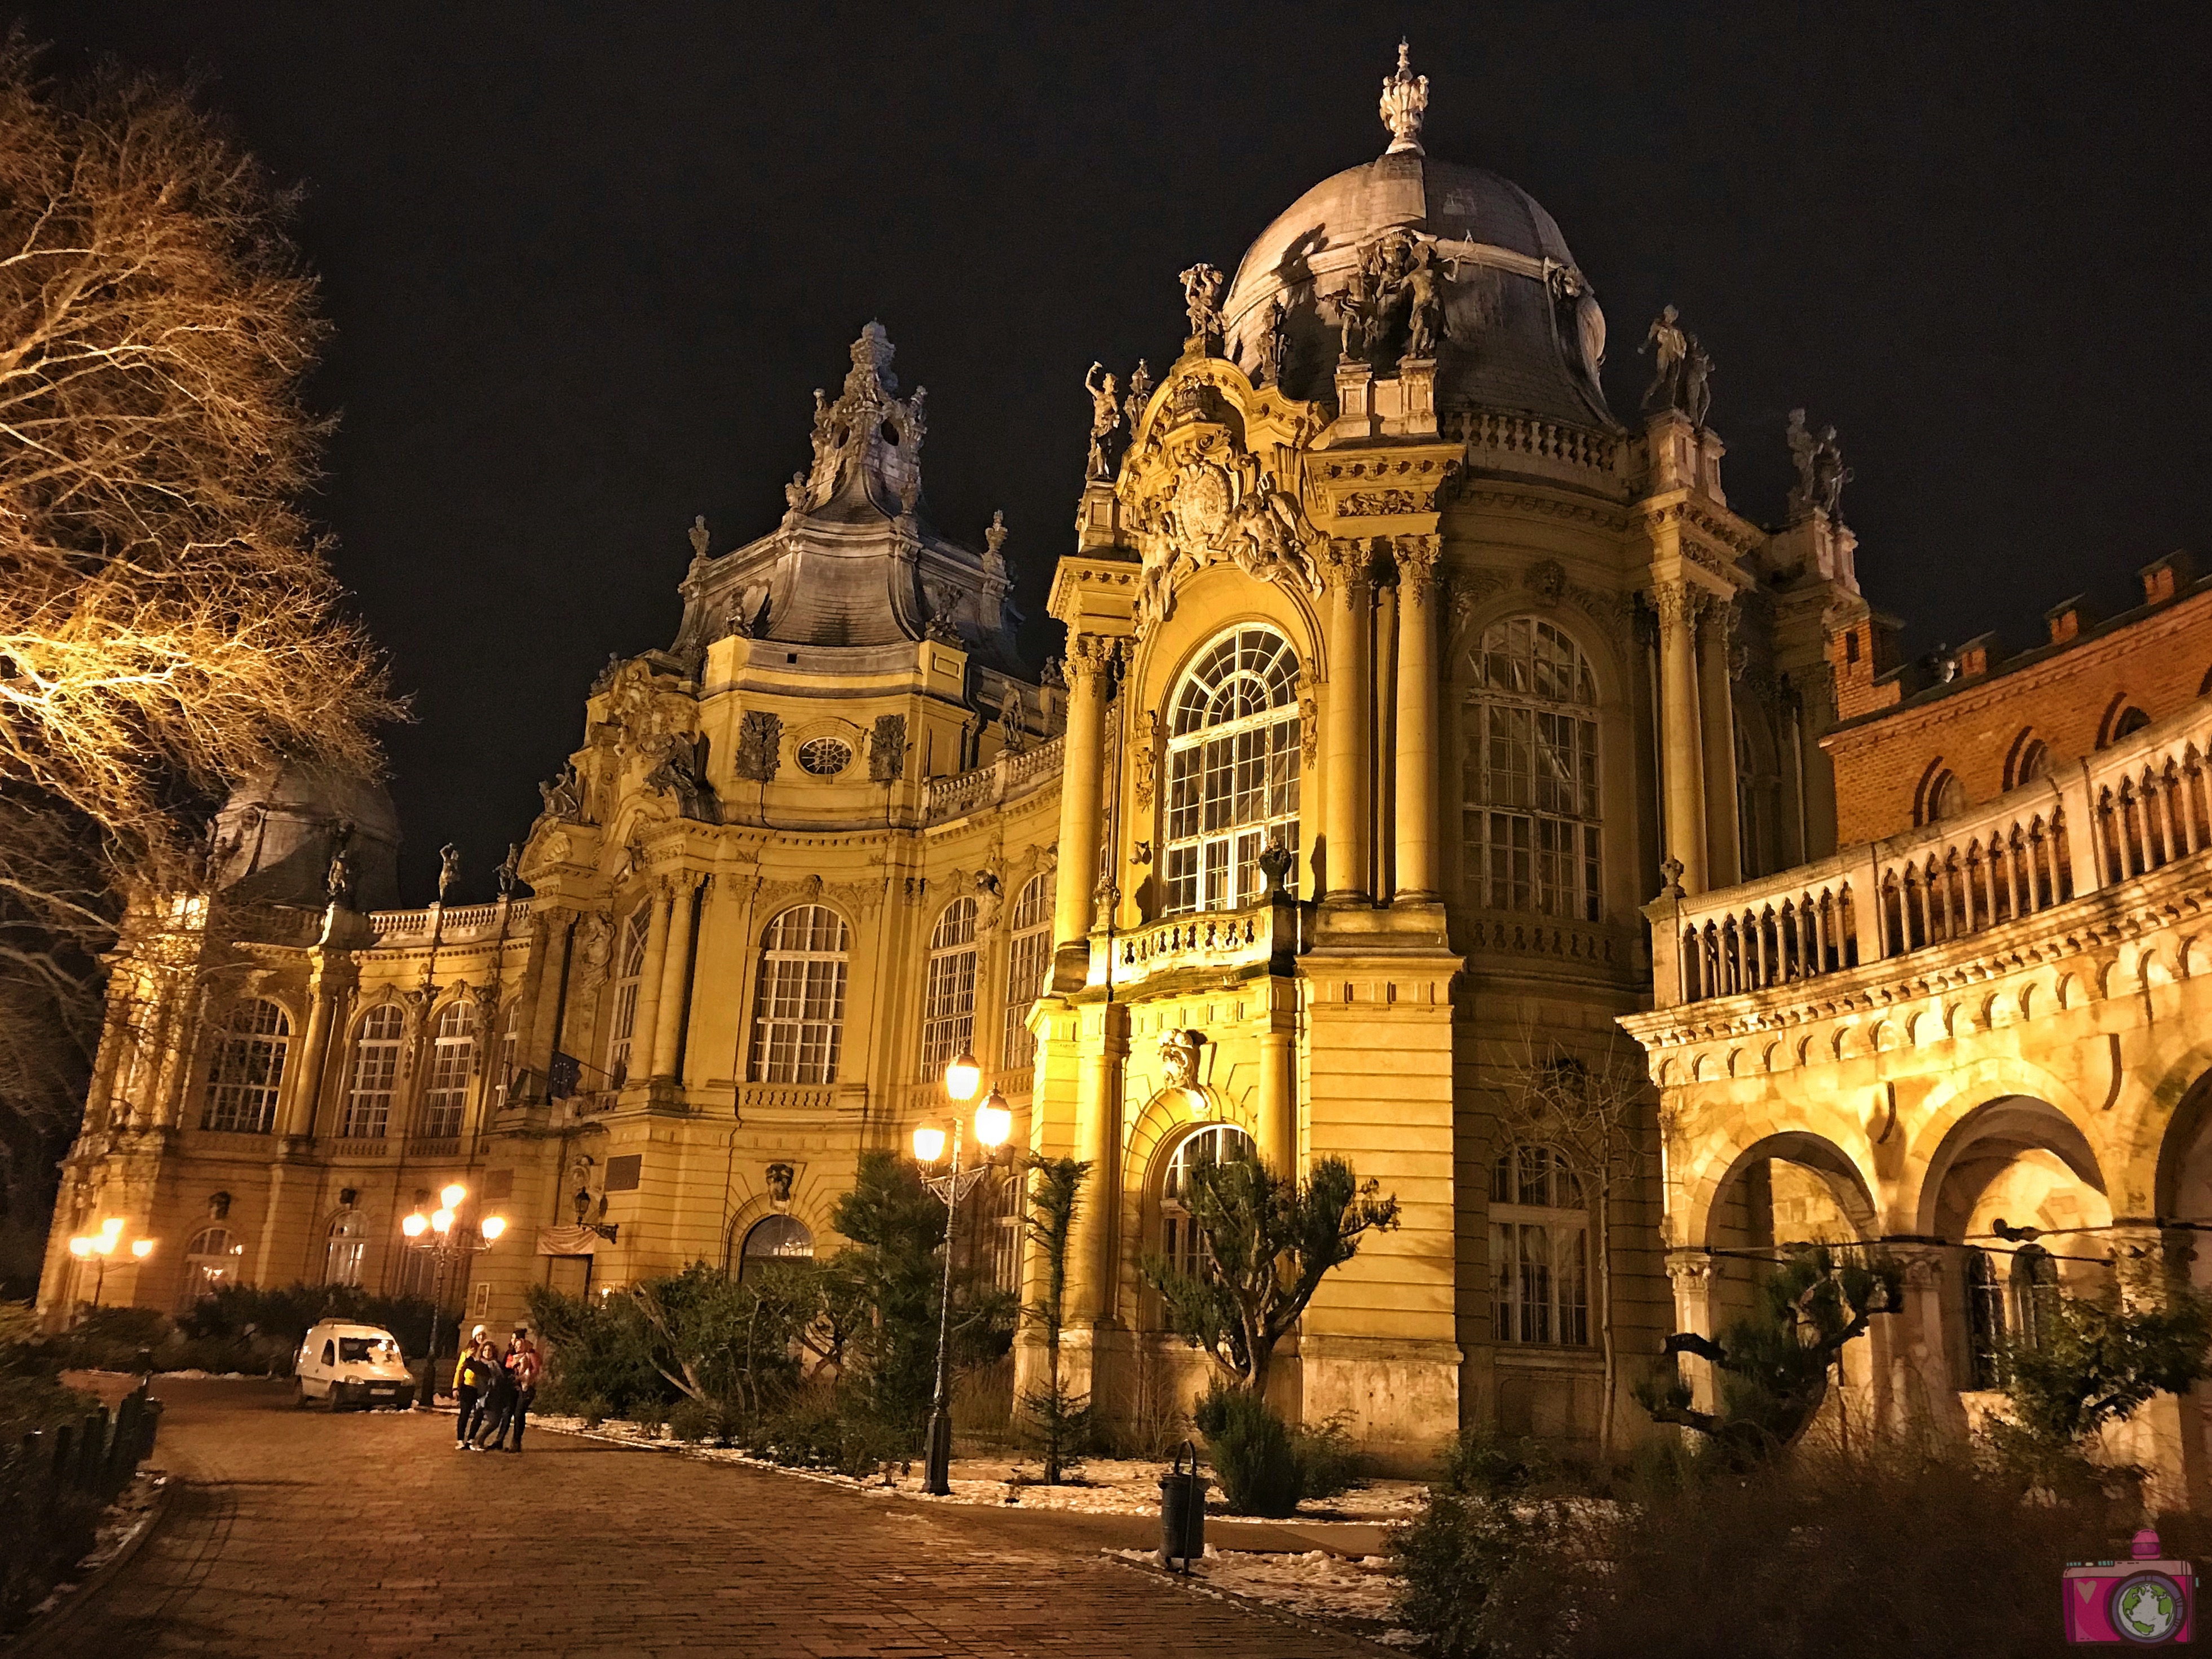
[
  {"x": 2070, "y": 619},
  {"x": 1976, "y": 655},
  {"x": 2163, "y": 578}
]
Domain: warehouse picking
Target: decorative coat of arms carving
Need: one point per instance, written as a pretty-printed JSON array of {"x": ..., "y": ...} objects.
[{"x": 1222, "y": 504}]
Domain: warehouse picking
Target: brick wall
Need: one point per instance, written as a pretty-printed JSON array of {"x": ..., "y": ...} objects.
[{"x": 2069, "y": 694}]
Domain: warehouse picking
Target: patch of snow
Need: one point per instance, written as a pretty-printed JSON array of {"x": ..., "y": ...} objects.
[{"x": 1315, "y": 1585}]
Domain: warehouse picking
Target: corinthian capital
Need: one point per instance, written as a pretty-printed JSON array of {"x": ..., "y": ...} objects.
[
  {"x": 1089, "y": 655},
  {"x": 1346, "y": 562},
  {"x": 1679, "y": 604},
  {"x": 1417, "y": 558}
]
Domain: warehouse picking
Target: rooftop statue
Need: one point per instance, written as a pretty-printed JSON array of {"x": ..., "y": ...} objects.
[
  {"x": 1272, "y": 343},
  {"x": 1696, "y": 383},
  {"x": 1140, "y": 394},
  {"x": 1802, "y": 445},
  {"x": 1830, "y": 475},
  {"x": 1405, "y": 101},
  {"x": 1425, "y": 303},
  {"x": 449, "y": 869},
  {"x": 1202, "y": 299},
  {"x": 1672, "y": 345},
  {"x": 700, "y": 538},
  {"x": 1105, "y": 416},
  {"x": 994, "y": 541},
  {"x": 509, "y": 871}
]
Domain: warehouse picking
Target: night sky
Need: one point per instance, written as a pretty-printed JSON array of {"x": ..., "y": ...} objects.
[{"x": 586, "y": 262}]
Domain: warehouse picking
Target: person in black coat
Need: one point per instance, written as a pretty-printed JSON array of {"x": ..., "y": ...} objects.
[{"x": 498, "y": 1404}]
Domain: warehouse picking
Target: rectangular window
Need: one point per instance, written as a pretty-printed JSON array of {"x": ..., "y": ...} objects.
[
  {"x": 1539, "y": 1281},
  {"x": 950, "y": 998},
  {"x": 368, "y": 1098}
]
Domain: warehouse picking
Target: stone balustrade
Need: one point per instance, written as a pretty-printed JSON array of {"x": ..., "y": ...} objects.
[
  {"x": 2120, "y": 813},
  {"x": 1272, "y": 932},
  {"x": 1009, "y": 777},
  {"x": 1524, "y": 443},
  {"x": 462, "y": 924}
]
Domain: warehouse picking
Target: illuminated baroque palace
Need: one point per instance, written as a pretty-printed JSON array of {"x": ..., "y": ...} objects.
[{"x": 1551, "y": 741}]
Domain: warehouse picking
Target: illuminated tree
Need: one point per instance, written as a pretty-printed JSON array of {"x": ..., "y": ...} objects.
[{"x": 168, "y": 622}]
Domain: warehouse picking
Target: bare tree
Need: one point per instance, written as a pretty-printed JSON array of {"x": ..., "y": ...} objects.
[
  {"x": 1586, "y": 1107},
  {"x": 168, "y": 622}
]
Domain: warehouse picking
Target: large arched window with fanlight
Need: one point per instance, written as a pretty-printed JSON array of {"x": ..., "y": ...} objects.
[
  {"x": 1029, "y": 959},
  {"x": 1232, "y": 768},
  {"x": 799, "y": 1010},
  {"x": 1531, "y": 805}
]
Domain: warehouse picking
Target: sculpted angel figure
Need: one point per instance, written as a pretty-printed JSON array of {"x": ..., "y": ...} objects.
[
  {"x": 1266, "y": 542},
  {"x": 1105, "y": 416}
]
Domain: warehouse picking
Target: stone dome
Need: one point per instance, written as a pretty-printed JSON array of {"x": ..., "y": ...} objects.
[
  {"x": 1521, "y": 329},
  {"x": 273, "y": 840}
]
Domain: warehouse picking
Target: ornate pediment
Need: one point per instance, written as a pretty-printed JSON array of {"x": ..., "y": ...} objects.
[{"x": 1213, "y": 475}]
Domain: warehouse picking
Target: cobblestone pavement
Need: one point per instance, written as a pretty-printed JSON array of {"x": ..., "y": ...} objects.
[{"x": 297, "y": 1533}]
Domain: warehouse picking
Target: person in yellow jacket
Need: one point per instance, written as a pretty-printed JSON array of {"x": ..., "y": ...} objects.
[{"x": 471, "y": 1372}]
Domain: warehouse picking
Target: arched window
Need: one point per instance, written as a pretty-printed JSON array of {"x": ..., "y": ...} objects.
[
  {"x": 344, "y": 1248},
  {"x": 2031, "y": 762},
  {"x": 1946, "y": 796},
  {"x": 249, "y": 1069},
  {"x": 211, "y": 1260},
  {"x": 948, "y": 993},
  {"x": 799, "y": 1012},
  {"x": 1985, "y": 1322},
  {"x": 1179, "y": 1234},
  {"x": 1538, "y": 1248},
  {"x": 2131, "y": 721},
  {"x": 2034, "y": 1294},
  {"x": 1029, "y": 959},
  {"x": 453, "y": 1063},
  {"x": 1232, "y": 769},
  {"x": 375, "y": 1067},
  {"x": 630, "y": 967},
  {"x": 1529, "y": 774},
  {"x": 775, "y": 1238}
]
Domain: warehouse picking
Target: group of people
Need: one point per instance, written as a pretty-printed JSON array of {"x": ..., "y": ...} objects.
[{"x": 494, "y": 1391}]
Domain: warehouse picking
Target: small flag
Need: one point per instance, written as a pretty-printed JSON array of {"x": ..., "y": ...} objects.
[{"x": 563, "y": 1077}]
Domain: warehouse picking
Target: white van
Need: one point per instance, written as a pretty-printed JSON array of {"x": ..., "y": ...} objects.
[{"x": 343, "y": 1364}]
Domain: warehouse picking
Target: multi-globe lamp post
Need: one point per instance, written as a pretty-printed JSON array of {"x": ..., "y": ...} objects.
[
  {"x": 994, "y": 1122},
  {"x": 100, "y": 1246},
  {"x": 441, "y": 1233}
]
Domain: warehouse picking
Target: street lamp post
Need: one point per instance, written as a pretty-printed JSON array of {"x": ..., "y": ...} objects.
[
  {"x": 994, "y": 1123},
  {"x": 98, "y": 1247},
  {"x": 447, "y": 1241}
]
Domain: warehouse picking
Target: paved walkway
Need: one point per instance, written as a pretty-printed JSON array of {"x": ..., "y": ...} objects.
[{"x": 297, "y": 1533}]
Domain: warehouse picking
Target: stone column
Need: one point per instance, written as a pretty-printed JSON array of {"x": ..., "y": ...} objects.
[
  {"x": 307, "y": 1077},
  {"x": 1098, "y": 1141},
  {"x": 544, "y": 991},
  {"x": 1416, "y": 770},
  {"x": 668, "y": 1024},
  {"x": 1345, "y": 807},
  {"x": 646, "y": 1025},
  {"x": 1921, "y": 1394},
  {"x": 1723, "y": 848},
  {"x": 1081, "y": 791},
  {"x": 1680, "y": 747},
  {"x": 1691, "y": 1273},
  {"x": 2166, "y": 1435},
  {"x": 1278, "y": 1075}
]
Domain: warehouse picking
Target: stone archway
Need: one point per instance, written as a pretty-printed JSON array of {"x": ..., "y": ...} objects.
[{"x": 1789, "y": 1187}]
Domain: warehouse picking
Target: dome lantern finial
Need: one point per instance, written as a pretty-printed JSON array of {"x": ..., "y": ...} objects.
[{"x": 1405, "y": 101}]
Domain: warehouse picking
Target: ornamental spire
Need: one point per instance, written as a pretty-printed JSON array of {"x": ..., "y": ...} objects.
[{"x": 1405, "y": 100}]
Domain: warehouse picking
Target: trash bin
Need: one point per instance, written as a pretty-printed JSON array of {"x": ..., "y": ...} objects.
[{"x": 1182, "y": 1511}]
